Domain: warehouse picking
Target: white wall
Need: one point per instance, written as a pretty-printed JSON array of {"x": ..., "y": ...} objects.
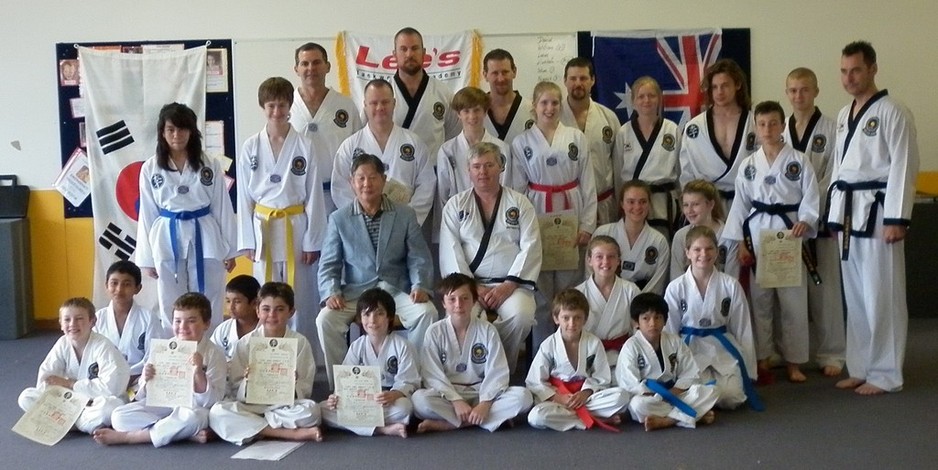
[{"x": 785, "y": 34}]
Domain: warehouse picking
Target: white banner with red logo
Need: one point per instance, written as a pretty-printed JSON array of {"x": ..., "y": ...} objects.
[
  {"x": 123, "y": 95},
  {"x": 454, "y": 59}
]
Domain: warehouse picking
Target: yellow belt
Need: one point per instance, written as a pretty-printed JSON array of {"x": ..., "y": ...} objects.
[{"x": 267, "y": 214}]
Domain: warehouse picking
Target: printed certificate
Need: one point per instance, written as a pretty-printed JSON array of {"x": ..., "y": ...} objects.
[
  {"x": 271, "y": 371},
  {"x": 52, "y": 416},
  {"x": 172, "y": 384},
  {"x": 357, "y": 387},
  {"x": 558, "y": 237},
  {"x": 778, "y": 263}
]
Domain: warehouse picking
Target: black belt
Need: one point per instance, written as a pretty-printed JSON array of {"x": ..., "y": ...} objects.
[
  {"x": 848, "y": 189},
  {"x": 780, "y": 210}
]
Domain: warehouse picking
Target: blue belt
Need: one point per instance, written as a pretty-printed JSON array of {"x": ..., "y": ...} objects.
[
  {"x": 175, "y": 217},
  {"x": 665, "y": 391},
  {"x": 720, "y": 334}
]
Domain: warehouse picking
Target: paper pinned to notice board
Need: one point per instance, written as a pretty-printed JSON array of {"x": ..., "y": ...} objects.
[{"x": 74, "y": 182}]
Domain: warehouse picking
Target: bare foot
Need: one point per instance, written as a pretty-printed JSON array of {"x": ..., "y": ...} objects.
[
  {"x": 433, "y": 425},
  {"x": 766, "y": 376},
  {"x": 203, "y": 436},
  {"x": 869, "y": 389},
  {"x": 613, "y": 420},
  {"x": 396, "y": 429},
  {"x": 658, "y": 422},
  {"x": 795, "y": 375},
  {"x": 848, "y": 383},
  {"x": 708, "y": 417},
  {"x": 298, "y": 434},
  {"x": 831, "y": 371},
  {"x": 109, "y": 437}
]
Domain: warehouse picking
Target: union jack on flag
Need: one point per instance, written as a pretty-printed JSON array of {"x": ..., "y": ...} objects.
[{"x": 676, "y": 59}]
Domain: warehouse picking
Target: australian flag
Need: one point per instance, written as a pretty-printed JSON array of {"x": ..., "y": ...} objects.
[{"x": 676, "y": 59}]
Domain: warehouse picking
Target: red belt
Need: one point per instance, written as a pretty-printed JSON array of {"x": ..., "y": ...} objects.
[
  {"x": 615, "y": 343},
  {"x": 571, "y": 387},
  {"x": 551, "y": 190},
  {"x": 606, "y": 194}
]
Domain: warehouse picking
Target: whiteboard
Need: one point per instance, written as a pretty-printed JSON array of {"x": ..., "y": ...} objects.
[{"x": 540, "y": 56}]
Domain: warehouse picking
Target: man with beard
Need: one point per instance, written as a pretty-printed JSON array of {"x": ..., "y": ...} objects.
[
  {"x": 509, "y": 114},
  {"x": 599, "y": 124}
]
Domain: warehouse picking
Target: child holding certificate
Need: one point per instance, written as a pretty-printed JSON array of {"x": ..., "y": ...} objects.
[
  {"x": 701, "y": 205},
  {"x": 392, "y": 354},
  {"x": 242, "y": 418},
  {"x": 464, "y": 368},
  {"x": 138, "y": 423},
  {"x": 570, "y": 376},
  {"x": 660, "y": 371},
  {"x": 709, "y": 309},
  {"x": 86, "y": 363},
  {"x": 776, "y": 190},
  {"x": 128, "y": 325},
  {"x": 241, "y": 301}
]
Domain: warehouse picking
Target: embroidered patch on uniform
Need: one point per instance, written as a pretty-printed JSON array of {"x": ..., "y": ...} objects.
[
  {"x": 298, "y": 166},
  {"x": 528, "y": 153},
  {"x": 628, "y": 147},
  {"x": 407, "y": 152},
  {"x": 392, "y": 365},
  {"x": 551, "y": 161},
  {"x": 819, "y": 143},
  {"x": 793, "y": 171},
  {"x": 750, "y": 141},
  {"x": 693, "y": 131},
  {"x": 705, "y": 322},
  {"x": 341, "y": 118},
  {"x": 725, "y": 307},
  {"x": 273, "y": 342},
  {"x": 206, "y": 176},
  {"x": 157, "y": 181},
  {"x": 141, "y": 341},
  {"x": 443, "y": 357},
  {"x": 461, "y": 367},
  {"x": 528, "y": 124},
  {"x": 667, "y": 142},
  {"x": 275, "y": 179},
  {"x": 438, "y": 110},
  {"x": 721, "y": 255},
  {"x": 511, "y": 216},
  {"x": 574, "y": 152},
  {"x": 312, "y": 127},
  {"x": 683, "y": 306},
  {"x": 769, "y": 179},
  {"x": 651, "y": 255},
  {"x": 93, "y": 371},
  {"x": 357, "y": 152},
  {"x": 640, "y": 361},
  {"x": 461, "y": 215},
  {"x": 628, "y": 266},
  {"x": 607, "y": 134},
  {"x": 871, "y": 126},
  {"x": 672, "y": 360},
  {"x": 252, "y": 162},
  {"x": 589, "y": 363},
  {"x": 750, "y": 172},
  {"x": 183, "y": 189},
  {"x": 479, "y": 353}
]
